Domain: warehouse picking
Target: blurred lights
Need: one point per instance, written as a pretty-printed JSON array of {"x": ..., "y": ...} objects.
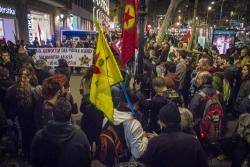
[
  {"x": 57, "y": 18},
  {"x": 209, "y": 8},
  {"x": 212, "y": 3},
  {"x": 61, "y": 16}
]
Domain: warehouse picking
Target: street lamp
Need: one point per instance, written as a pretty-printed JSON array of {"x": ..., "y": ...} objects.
[
  {"x": 212, "y": 3},
  {"x": 208, "y": 9}
]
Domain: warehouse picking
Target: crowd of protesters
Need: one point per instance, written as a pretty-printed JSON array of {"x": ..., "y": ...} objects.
[{"x": 174, "y": 105}]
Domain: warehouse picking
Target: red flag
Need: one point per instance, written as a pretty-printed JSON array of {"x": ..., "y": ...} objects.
[
  {"x": 187, "y": 37},
  {"x": 128, "y": 32}
]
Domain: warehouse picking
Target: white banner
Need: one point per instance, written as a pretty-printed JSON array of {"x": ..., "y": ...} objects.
[{"x": 76, "y": 57}]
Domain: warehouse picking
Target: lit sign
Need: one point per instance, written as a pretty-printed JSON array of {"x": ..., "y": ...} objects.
[
  {"x": 7, "y": 10},
  {"x": 30, "y": 28}
]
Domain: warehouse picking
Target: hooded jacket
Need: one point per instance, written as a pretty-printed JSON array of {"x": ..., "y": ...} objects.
[
  {"x": 60, "y": 144},
  {"x": 133, "y": 132}
]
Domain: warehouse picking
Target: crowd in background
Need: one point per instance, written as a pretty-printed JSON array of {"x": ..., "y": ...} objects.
[{"x": 170, "y": 103}]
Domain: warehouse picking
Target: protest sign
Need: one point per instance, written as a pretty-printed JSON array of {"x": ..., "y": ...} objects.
[{"x": 76, "y": 57}]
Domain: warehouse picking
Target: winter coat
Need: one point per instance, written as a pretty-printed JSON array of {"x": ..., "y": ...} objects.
[
  {"x": 4, "y": 85},
  {"x": 197, "y": 103},
  {"x": 25, "y": 114},
  {"x": 133, "y": 132},
  {"x": 60, "y": 144},
  {"x": 244, "y": 107},
  {"x": 91, "y": 121},
  {"x": 181, "y": 72},
  {"x": 176, "y": 149},
  {"x": 154, "y": 107},
  {"x": 243, "y": 92}
]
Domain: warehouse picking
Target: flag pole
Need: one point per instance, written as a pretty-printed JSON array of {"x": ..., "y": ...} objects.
[
  {"x": 127, "y": 97},
  {"x": 141, "y": 14}
]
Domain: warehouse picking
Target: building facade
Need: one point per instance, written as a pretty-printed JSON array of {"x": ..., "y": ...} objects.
[
  {"x": 45, "y": 19},
  {"x": 101, "y": 12}
]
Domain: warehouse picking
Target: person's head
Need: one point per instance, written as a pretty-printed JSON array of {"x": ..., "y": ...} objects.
[
  {"x": 203, "y": 78},
  {"x": 62, "y": 110},
  {"x": 29, "y": 67},
  {"x": 229, "y": 61},
  {"x": 246, "y": 71},
  {"x": 186, "y": 119},
  {"x": 4, "y": 73},
  {"x": 182, "y": 55},
  {"x": 214, "y": 50},
  {"x": 41, "y": 64},
  {"x": 158, "y": 85},
  {"x": 53, "y": 86},
  {"x": 23, "y": 92},
  {"x": 36, "y": 39},
  {"x": 203, "y": 64},
  {"x": 221, "y": 59},
  {"x": 5, "y": 56},
  {"x": 62, "y": 63},
  {"x": 170, "y": 67},
  {"x": 244, "y": 52},
  {"x": 169, "y": 116},
  {"x": 24, "y": 76}
]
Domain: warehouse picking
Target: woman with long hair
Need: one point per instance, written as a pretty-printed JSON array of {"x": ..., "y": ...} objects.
[{"x": 20, "y": 102}]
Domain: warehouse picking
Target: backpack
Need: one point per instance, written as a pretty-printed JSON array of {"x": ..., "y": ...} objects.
[
  {"x": 211, "y": 122},
  {"x": 111, "y": 149}
]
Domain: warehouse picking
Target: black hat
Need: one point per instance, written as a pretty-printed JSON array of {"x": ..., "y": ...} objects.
[{"x": 170, "y": 114}]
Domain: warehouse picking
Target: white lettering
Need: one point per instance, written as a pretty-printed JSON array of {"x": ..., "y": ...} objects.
[
  {"x": 30, "y": 28},
  {"x": 7, "y": 10}
]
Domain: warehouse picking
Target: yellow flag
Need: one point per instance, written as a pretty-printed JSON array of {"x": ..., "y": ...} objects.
[{"x": 106, "y": 73}]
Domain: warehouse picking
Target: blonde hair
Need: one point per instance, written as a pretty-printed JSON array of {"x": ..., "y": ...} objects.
[{"x": 186, "y": 118}]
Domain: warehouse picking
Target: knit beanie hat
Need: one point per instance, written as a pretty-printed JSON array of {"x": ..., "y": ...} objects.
[{"x": 170, "y": 114}]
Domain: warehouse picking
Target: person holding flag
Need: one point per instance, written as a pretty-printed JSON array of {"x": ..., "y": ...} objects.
[{"x": 105, "y": 74}]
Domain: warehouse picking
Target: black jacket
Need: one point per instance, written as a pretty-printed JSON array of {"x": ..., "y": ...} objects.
[
  {"x": 243, "y": 92},
  {"x": 91, "y": 121},
  {"x": 197, "y": 104},
  {"x": 154, "y": 107},
  {"x": 60, "y": 144},
  {"x": 175, "y": 149},
  {"x": 4, "y": 85},
  {"x": 25, "y": 114}
]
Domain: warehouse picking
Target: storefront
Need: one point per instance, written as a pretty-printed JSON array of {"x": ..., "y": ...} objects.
[
  {"x": 8, "y": 23},
  {"x": 40, "y": 26}
]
